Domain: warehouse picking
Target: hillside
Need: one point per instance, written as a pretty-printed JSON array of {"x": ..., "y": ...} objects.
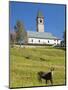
[{"x": 25, "y": 63}]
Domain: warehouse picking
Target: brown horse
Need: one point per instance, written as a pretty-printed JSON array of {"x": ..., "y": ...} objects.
[{"x": 46, "y": 76}]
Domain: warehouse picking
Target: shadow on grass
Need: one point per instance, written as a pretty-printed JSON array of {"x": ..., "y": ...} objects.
[{"x": 62, "y": 48}]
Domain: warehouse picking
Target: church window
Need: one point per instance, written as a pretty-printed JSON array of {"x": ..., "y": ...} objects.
[
  {"x": 48, "y": 41},
  {"x": 39, "y": 41},
  {"x": 32, "y": 40},
  {"x": 57, "y": 40}
]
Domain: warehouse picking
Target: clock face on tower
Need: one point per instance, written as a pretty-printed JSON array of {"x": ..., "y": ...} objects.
[{"x": 40, "y": 20}]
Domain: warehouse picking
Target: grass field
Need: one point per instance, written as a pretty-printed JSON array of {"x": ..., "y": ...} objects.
[{"x": 26, "y": 62}]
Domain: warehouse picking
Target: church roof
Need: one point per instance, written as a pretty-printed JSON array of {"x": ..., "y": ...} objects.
[
  {"x": 41, "y": 35},
  {"x": 40, "y": 14}
]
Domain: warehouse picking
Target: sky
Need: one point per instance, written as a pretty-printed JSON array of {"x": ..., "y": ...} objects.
[{"x": 54, "y": 16}]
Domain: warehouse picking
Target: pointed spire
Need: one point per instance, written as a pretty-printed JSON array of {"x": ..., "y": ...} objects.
[{"x": 40, "y": 14}]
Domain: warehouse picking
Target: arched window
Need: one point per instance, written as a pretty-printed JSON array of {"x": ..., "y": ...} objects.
[
  {"x": 54, "y": 39},
  {"x": 32, "y": 40},
  {"x": 57, "y": 40},
  {"x": 48, "y": 41},
  {"x": 39, "y": 41}
]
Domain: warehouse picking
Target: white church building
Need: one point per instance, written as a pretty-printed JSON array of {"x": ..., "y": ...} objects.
[{"x": 41, "y": 37}]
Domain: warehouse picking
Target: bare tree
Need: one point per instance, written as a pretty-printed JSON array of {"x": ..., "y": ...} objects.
[
  {"x": 12, "y": 38},
  {"x": 21, "y": 35}
]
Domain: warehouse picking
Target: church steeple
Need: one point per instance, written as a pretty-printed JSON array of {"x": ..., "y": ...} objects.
[
  {"x": 40, "y": 14},
  {"x": 40, "y": 22}
]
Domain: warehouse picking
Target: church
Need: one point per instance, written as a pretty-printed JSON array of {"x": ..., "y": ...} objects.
[{"x": 41, "y": 37}]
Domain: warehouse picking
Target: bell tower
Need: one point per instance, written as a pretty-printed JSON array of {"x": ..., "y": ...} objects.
[{"x": 40, "y": 22}]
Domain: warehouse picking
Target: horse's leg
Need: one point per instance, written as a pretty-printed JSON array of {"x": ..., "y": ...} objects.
[
  {"x": 51, "y": 81},
  {"x": 40, "y": 79},
  {"x": 46, "y": 81}
]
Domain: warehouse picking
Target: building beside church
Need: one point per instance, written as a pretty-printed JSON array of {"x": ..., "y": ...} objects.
[{"x": 41, "y": 37}]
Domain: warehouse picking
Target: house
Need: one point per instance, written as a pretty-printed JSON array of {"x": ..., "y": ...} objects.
[{"x": 41, "y": 37}]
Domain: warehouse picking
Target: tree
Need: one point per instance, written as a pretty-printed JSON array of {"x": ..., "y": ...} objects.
[
  {"x": 64, "y": 37},
  {"x": 21, "y": 34},
  {"x": 12, "y": 38}
]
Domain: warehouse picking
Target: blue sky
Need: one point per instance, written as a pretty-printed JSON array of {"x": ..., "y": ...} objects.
[{"x": 54, "y": 16}]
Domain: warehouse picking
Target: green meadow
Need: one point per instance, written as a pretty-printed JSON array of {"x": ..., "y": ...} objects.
[{"x": 25, "y": 63}]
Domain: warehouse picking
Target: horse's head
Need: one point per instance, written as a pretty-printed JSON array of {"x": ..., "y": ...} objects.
[
  {"x": 40, "y": 73},
  {"x": 52, "y": 69}
]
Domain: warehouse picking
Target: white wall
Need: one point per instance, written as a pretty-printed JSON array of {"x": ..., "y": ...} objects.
[
  {"x": 43, "y": 41},
  {"x": 40, "y": 26}
]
